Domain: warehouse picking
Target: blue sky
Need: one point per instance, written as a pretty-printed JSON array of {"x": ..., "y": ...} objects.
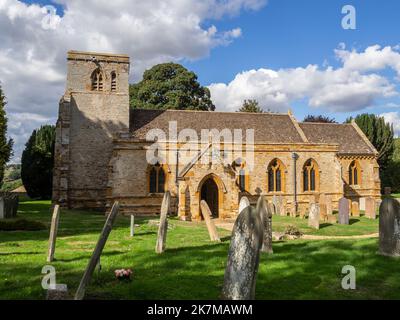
[{"x": 284, "y": 53}]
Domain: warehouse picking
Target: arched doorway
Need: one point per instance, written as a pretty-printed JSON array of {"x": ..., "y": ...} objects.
[{"x": 209, "y": 193}]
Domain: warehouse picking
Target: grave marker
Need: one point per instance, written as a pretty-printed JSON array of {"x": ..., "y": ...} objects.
[
  {"x": 212, "y": 229},
  {"x": 163, "y": 227},
  {"x": 389, "y": 228},
  {"x": 344, "y": 211},
  {"x": 264, "y": 208},
  {"x": 314, "y": 216},
  {"x": 53, "y": 233},
  {"x": 370, "y": 208}
]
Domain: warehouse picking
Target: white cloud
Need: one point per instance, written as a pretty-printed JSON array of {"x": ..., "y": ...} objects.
[
  {"x": 350, "y": 87},
  {"x": 393, "y": 118},
  {"x": 34, "y": 41}
]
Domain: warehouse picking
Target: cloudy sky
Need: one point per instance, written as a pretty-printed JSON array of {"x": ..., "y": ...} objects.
[{"x": 284, "y": 53}]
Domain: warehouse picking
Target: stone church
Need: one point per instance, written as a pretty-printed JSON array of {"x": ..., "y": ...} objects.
[{"x": 102, "y": 149}]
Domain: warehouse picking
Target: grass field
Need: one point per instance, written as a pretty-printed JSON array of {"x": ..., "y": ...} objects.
[{"x": 192, "y": 267}]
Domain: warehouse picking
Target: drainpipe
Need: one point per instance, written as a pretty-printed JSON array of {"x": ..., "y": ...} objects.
[{"x": 295, "y": 157}]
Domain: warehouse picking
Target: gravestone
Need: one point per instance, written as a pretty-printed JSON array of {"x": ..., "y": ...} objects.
[
  {"x": 212, "y": 229},
  {"x": 132, "y": 225},
  {"x": 8, "y": 205},
  {"x": 303, "y": 212},
  {"x": 163, "y": 227},
  {"x": 264, "y": 208},
  {"x": 355, "y": 209},
  {"x": 243, "y": 256},
  {"x": 60, "y": 292},
  {"x": 80, "y": 293},
  {"x": 329, "y": 209},
  {"x": 370, "y": 208},
  {"x": 314, "y": 216},
  {"x": 362, "y": 203},
  {"x": 344, "y": 211},
  {"x": 389, "y": 228},
  {"x": 282, "y": 207},
  {"x": 323, "y": 212},
  {"x": 53, "y": 233},
  {"x": 243, "y": 204}
]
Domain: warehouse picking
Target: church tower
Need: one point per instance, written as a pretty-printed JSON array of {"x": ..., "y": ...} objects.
[{"x": 93, "y": 110}]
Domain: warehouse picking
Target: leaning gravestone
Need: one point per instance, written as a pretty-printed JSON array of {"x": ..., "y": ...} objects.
[
  {"x": 265, "y": 211},
  {"x": 132, "y": 225},
  {"x": 243, "y": 257},
  {"x": 362, "y": 203},
  {"x": 355, "y": 209},
  {"x": 80, "y": 293},
  {"x": 212, "y": 230},
  {"x": 389, "y": 228},
  {"x": 314, "y": 217},
  {"x": 370, "y": 208},
  {"x": 243, "y": 204},
  {"x": 344, "y": 211},
  {"x": 53, "y": 233},
  {"x": 163, "y": 227}
]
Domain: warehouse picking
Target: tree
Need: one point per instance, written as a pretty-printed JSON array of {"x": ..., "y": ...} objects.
[
  {"x": 380, "y": 134},
  {"x": 319, "y": 119},
  {"x": 251, "y": 106},
  {"x": 38, "y": 161},
  {"x": 5, "y": 144},
  {"x": 170, "y": 86}
]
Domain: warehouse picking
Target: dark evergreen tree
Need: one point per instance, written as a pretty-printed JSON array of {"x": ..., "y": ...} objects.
[
  {"x": 170, "y": 86},
  {"x": 38, "y": 162},
  {"x": 5, "y": 144}
]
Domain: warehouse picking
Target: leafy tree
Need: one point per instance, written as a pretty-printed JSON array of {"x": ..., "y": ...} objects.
[
  {"x": 380, "y": 134},
  {"x": 251, "y": 106},
  {"x": 319, "y": 119},
  {"x": 170, "y": 86},
  {"x": 5, "y": 144},
  {"x": 38, "y": 162},
  {"x": 396, "y": 153}
]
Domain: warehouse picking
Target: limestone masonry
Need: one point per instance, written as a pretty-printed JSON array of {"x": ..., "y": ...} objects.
[{"x": 101, "y": 148}]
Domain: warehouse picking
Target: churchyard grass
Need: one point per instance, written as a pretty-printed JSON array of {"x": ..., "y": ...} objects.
[
  {"x": 192, "y": 266},
  {"x": 396, "y": 195}
]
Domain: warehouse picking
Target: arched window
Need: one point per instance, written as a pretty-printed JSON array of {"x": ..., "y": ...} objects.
[
  {"x": 97, "y": 80},
  {"x": 113, "y": 81},
  {"x": 276, "y": 174},
  {"x": 354, "y": 174},
  {"x": 157, "y": 179},
  {"x": 310, "y": 176}
]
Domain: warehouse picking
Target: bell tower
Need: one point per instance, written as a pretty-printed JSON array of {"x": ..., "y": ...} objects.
[{"x": 93, "y": 110}]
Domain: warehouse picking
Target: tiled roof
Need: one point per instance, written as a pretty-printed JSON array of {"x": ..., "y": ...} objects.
[
  {"x": 346, "y": 135},
  {"x": 268, "y": 127}
]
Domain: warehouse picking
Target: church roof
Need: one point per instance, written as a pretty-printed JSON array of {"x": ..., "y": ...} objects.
[
  {"x": 268, "y": 127},
  {"x": 350, "y": 138}
]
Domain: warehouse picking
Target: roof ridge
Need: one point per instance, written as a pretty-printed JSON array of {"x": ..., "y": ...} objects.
[
  {"x": 325, "y": 123},
  {"x": 225, "y": 112}
]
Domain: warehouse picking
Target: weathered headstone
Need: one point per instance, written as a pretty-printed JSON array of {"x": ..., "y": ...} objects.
[
  {"x": 370, "y": 208},
  {"x": 362, "y": 203},
  {"x": 244, "y": 203},
  {"x": 264, "y": 208},
  {"x": 389, "y": 228},
  {"x": 322, "y": 212},
  {"x": 283, "y": 205},
  {"x": 163, "y": 227},
  {"x": 355, "y": 209},
  {"x": 314, "y": 216},
  {"x": 344, "y": 211},
  {"x": 132, "y": 225},
  {"x": 80, "y": 293},
  {"x": 60, "y": 292},
  {"x": 212, "y": 229},
  {"x": 53, "y": 233},
  {"x": 329, "y": 208},
  {"x": 8, "y": 205},
  {"x": 243, "y": 257}
]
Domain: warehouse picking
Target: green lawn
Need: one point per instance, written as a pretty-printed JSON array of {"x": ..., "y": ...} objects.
[
  {"x": 396, "y": 195},
  {"x": 192, "y": 267}
]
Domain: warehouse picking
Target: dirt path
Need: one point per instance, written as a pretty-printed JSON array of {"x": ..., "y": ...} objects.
[{"x": 229, "y": 226}]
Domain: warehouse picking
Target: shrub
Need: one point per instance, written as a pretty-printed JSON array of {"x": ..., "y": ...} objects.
[
  {"x": 21, "y": 225},
  {"x": 292, "y": 230}
]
